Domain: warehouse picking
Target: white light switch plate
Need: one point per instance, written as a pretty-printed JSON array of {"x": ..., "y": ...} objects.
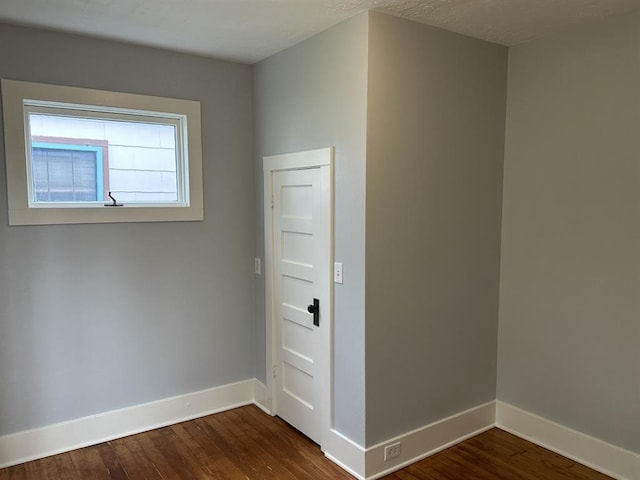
[{"x": 337, "y": 272}]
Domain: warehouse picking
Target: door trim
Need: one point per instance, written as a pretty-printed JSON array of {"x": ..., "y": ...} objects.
[{"x": 321, "y": 158}]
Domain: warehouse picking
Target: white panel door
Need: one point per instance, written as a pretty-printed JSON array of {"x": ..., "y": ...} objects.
[{"x": 300, "y": 243}]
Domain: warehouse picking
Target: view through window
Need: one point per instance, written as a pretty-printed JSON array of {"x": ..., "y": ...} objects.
[{"x": 78, "y": 159}]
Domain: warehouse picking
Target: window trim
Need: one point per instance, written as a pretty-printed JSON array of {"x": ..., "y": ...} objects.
[{"x": 17, "y": 94}]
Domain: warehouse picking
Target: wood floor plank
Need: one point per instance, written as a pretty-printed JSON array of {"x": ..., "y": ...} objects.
[
  {"x": 247, "y": 444},
  {"x": 66, "y": 468},
  {"x": 498, "y": 443},
  {"x": 89, "y": 464},
  {"x": 274, "y": 445},
  {"x": 234, "y": 455},
  {"x": 493, "y": 468},
  {"x": 45, "y": 469},
  {"x": 14, "y": 473},
  {"x": 306, "y": 454},
  {"x": 116, "y": 472},
  {"x": 134, "y": 462},
  {"x": 404, "y": 474},
  {"x": 159, "y": 461},
  {"x": 421, "y": 473},
  {"x": 248, "y": 450},
  {"x": 207, "y": 453},
  {"x": 175, "y": 452}
]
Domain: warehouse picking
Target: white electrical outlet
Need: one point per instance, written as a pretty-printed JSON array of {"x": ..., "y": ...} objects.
[
  {"x": 257, "y": 266},
  {"x": 391, "y": 451}
]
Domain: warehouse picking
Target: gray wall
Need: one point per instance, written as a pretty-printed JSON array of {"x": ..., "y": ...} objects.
[
  {"x": 569, "y": 344},
  {"x": 310, "y": 96},
  {"x": 98, "y": 317},
  {"x": 434, "y": 185}
]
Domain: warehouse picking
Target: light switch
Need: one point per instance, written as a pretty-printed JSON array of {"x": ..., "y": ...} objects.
[{"x": 337, "y": 272}]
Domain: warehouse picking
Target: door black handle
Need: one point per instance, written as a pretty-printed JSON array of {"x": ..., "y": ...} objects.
[{"x": 315, "y": 309}]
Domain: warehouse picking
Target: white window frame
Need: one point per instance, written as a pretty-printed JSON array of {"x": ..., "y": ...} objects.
[{"x": 18, "y": 99}]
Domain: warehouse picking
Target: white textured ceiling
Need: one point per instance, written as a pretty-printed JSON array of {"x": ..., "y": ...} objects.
[{"x": 250, "y": 30}]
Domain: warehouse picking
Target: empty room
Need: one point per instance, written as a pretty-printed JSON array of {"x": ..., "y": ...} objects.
[{"x": 307, "y": 239}]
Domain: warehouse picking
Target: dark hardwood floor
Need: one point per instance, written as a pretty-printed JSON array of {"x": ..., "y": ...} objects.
[{"x": 246, "y": 444}]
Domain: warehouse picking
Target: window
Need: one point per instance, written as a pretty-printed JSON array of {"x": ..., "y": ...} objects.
[
  {"x": 145, "y": 160},
  {"x": 85, "y": 156}
]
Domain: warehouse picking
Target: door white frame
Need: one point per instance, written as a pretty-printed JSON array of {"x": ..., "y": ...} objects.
[{"x": 323, "y": 159}]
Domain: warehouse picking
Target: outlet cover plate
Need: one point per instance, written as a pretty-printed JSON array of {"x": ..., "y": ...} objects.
[{"x": 392, "y": 451}]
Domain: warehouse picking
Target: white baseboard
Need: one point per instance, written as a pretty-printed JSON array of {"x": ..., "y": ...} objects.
[
  {"x": 261, "y": 396},
  {"x": 42, "y": 442},
  {"x": 430, "y": 439},
  {"x": 345, "y": 453},
  {"x": 369, "y": 463},
  {"x": 601, "y": 456}
]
